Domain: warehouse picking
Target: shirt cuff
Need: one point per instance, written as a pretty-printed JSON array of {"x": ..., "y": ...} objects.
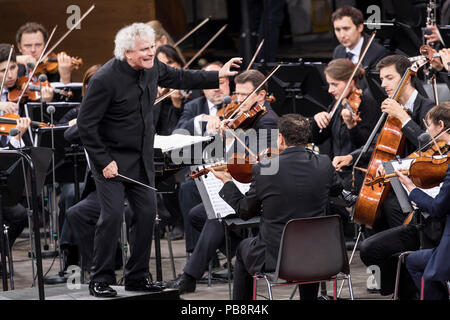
[
  {"x": 404, "y": 124},
  {"x": 16, "y": 143}
]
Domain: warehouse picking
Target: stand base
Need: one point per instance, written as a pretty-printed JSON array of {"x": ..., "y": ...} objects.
[
  {"x": 56, "y": 279},
  {"x": 46, "y": 254}
]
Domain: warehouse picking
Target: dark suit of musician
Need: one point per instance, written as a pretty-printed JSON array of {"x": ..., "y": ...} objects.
[
  {"x": 212, "y": 235},
  {"x": 191, "y": 110},
  {"x": 116, "y": 124},
  {"x": 433, "y": 264},
  {"x": 374, "y": 54},
  {"x": 299, "y": 189}
]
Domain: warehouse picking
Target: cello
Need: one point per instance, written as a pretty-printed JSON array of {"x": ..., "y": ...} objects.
[{"x": 390, "y": 143}]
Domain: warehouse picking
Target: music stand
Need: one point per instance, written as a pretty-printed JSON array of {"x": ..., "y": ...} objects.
[
  {"x": 298, "y": 87},
  {"x": 70, "y": 167},
  {"x": 37, "y": 111},
  {"x": 66, "y": 155}
]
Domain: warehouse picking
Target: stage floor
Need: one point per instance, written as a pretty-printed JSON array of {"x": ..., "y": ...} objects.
[{"x": 217, "y": 291}]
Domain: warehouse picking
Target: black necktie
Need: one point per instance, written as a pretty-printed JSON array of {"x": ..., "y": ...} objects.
[{"x": 349, "y": 55}]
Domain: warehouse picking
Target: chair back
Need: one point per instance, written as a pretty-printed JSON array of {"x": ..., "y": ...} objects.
[{"x": 312, "y": 249}]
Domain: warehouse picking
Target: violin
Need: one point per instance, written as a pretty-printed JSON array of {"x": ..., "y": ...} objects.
[
  {"x": 9, "y": 121},
  {"x": 50, "y": 64},
  {"x": 352, "y": 103},
  {"x": 238, "y": 165},
  {"x": 427, "y": 170},
  {"x": 33, "y": 91},
  {"x": 247, "y": 119}
]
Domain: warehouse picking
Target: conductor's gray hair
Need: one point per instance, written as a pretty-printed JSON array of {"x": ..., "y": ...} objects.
[{"x": 127, "y": 36}]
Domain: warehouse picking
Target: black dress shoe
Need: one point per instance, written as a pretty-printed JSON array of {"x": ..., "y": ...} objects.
[
  {"x": 101, "y": 289},
  {"x": 143, "y": 284},
  {"x": 183, "y": 283}
]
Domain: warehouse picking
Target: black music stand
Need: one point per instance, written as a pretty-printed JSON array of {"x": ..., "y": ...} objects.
[
  {"x": 70, "y": 159},
  {"x": 12, "y": 191},
  {"x": 70, "y": 167},
  {"x": 298, "y": 87},
  {"x": 37, "y": 111}
]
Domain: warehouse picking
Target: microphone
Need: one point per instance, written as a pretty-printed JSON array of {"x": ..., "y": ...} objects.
[
  {"x": 226, "y": 100},
  {"x": 30, "y": 65},
  {"x": 51, "y": 109},
  {"x": 42, "y": 78},
  {"x": 14, "y": 132}
]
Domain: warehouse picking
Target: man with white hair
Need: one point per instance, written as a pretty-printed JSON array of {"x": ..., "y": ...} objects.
[{"x": 116, "y": 128}]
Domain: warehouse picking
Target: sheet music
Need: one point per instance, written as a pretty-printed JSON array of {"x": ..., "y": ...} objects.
[
  {"x": 176, "y": 141},
  {"x": 213, "y": 185}
]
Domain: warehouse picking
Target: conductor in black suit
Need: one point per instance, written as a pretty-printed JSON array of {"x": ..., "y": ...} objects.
[
  {"x": 348, "y": 28},
  {"x": 116, "y": 128},
  {"x": 299, "y": 189}
]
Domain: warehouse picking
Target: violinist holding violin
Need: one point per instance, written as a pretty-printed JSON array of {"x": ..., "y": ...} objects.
[
  {"x": 31, "y": 38},
  {"x": 212, "y": 234},
  {"x": 352, "y": 122},
  {"x": 432, "y": 264},
  {"x": 379, "y": 249}
]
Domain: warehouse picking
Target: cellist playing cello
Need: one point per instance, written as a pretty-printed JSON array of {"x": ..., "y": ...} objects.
[{"x": 379, "y": 248}]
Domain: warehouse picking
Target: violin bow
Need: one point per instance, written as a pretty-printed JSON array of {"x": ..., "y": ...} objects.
[
  {"x": 191, "y": 32},
  {"x": 255, "y": 55},
  {"x": 361, "y": 57},
  {"x": 192, "y": 60},
  {"x": 68, "y": 32},
  {"x": 6, "y": 70}
]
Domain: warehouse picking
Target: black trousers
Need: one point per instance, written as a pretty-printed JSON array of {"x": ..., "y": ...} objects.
[
  {"x": 212, "y": 237},
  {"x": 243, "y": 281},
  {"x": 391, "y": 214},
  {"x": 380, "y": 249},
  {"x": 142, "y": 201}
]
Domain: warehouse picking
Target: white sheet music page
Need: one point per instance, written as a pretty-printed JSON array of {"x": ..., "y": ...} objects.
[
  {"x": 213, "y": 186},
  {"x": 176, "y": 141}
]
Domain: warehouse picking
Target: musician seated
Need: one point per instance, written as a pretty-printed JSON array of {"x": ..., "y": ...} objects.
[
  {"x": 348, "y": 28},
  {"x": 380, "y": 248},
  {"x": 196, "y": 114},
  {"x": 345, "y": 130},
  {"x": 31, "y": 39},
  {"x": 6, "y": 105},
  {"x": 432, "y": 264},
  {"x": 211, "y": 231},
  {"x": 276, "y": 199}
]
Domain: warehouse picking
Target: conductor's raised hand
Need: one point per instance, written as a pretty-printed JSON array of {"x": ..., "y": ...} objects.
[
  {"x": 111, "y": 170},
  {"x": 225, "y": 71}
]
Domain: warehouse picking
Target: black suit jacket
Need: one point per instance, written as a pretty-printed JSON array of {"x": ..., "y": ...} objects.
[
  {"x": 191, "y": 110},
  {"x": 299, "y": 189},
  {"x": 413, "y": 129},
  {"x": 375, "y": 53},
  {"x": 113, "y": 123}
]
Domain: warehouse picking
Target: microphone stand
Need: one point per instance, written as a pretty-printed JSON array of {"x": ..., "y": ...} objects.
[{"x": 54, "y": 233}]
